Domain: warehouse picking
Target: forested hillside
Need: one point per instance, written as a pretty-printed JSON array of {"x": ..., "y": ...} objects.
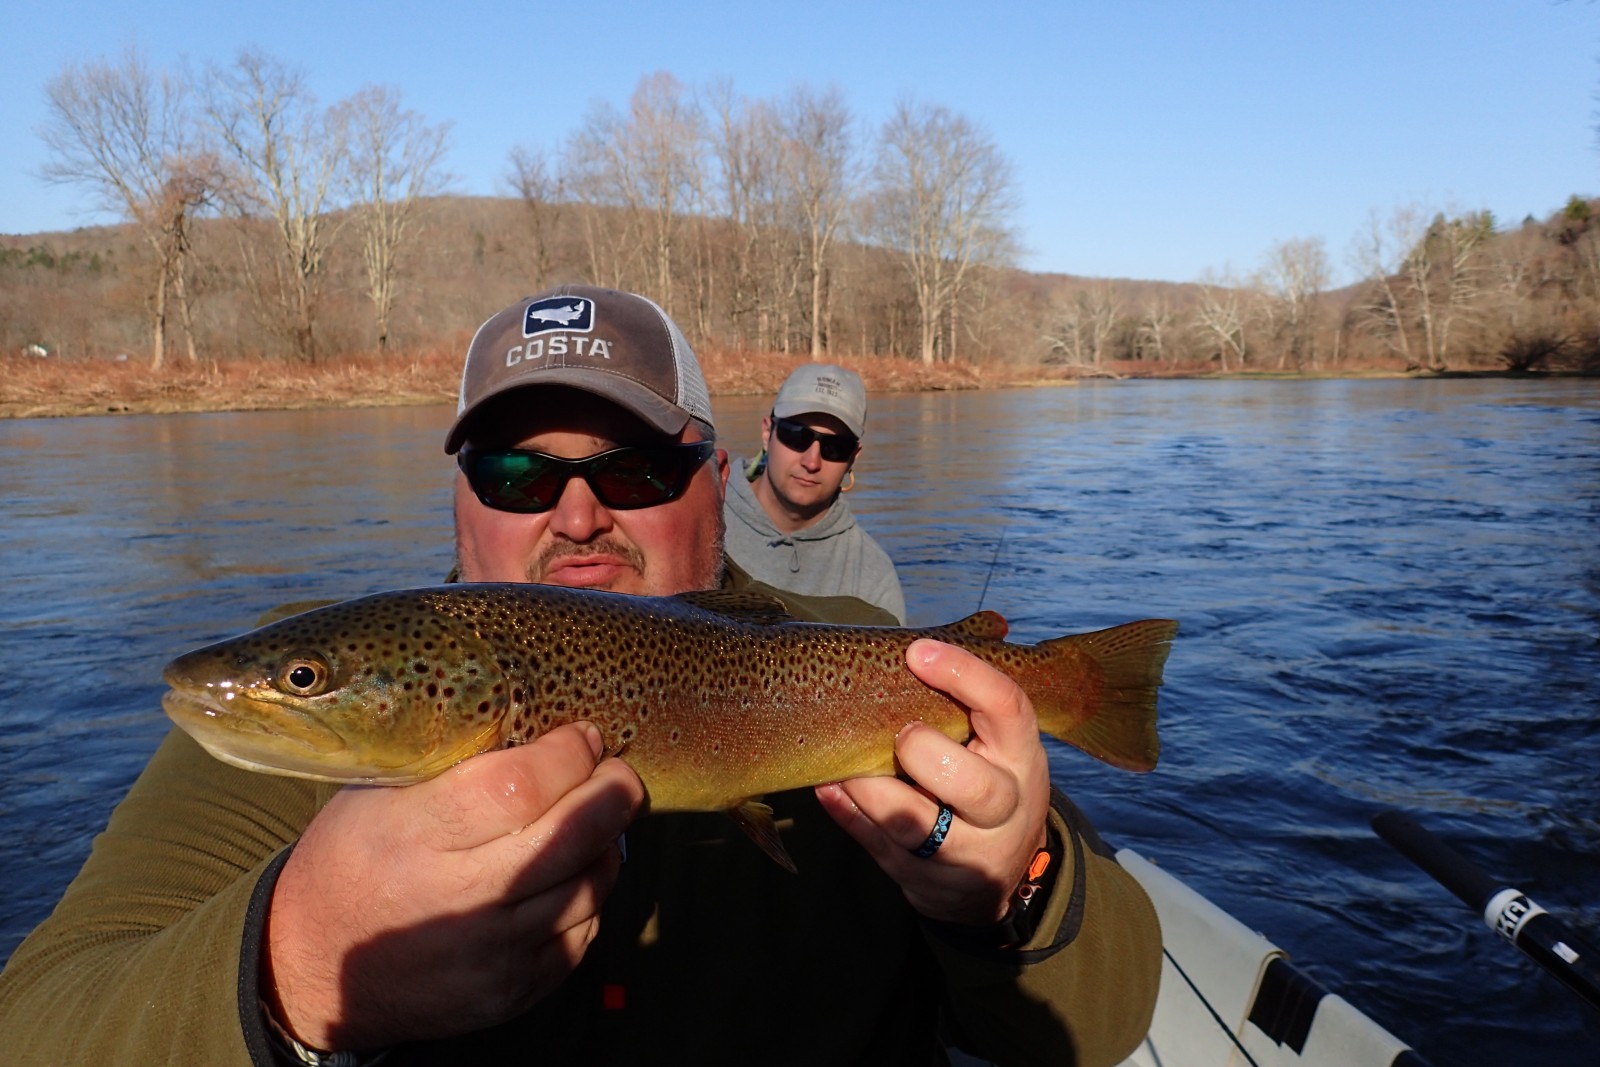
[
  {"x": 262, "y": 227},
  {"x": 1462, "y": 296}
]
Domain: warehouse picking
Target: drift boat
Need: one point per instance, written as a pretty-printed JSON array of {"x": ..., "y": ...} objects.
[{"x": 1231, "y": 998}]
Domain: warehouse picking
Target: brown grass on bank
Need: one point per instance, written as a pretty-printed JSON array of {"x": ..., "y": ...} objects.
[
  {"x": 744, "y": 373},
  {"x": 43, "y": 388},
  {"x": 39, "y": 388}
]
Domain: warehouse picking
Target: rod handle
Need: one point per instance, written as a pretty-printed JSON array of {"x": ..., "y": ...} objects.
[{"x": 1544, "y": 938}]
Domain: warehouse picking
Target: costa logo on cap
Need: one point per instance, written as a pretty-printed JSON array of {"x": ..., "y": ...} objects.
[
  {"x": 618, "y": 346},
  {"x": 569, "y": 313}
]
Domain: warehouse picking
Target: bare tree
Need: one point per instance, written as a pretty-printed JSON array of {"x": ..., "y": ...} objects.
[
  {"x": 1081, "y": 325},
  {"x": 1378, "y": 252},
  {"x": 991, "y": 310},
  {"x": 1157, "y": 323},
  {"x": 1424, "y": 278},
  {"x": 125, "y": 133},
  {"x": 647, "y": 164},
  {"x": 1104, "y": 310},
  {"x": 594, "y": 176},
  {"x": 744, "y": 144},
  {"x": 1528, "y": 333},
  {"x": 540, "y": 188},
  {"x": 1220, "y": 317},
  {"x": 822, "y": 173},
  {"x": 1458, "y": 250},
  {"x": 942, "y": 198},
  {"x": 1066, "y": 335},
  {"x": 393, "y": 161},
  {"x": 284, "y": 164},
  {"x": 1295, "y": 274}
]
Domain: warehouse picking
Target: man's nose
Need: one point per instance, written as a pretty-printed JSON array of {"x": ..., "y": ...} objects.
[{"x": 578, "y": 514}]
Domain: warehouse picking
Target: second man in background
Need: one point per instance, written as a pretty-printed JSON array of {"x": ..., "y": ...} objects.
[{"x": 788, "y": 523}]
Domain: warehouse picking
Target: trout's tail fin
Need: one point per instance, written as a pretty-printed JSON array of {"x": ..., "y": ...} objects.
[{"x": 1112, "y": 718}]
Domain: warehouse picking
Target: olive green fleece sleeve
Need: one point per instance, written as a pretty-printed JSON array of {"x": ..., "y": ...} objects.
[
  {"x": 140, "y": 961},
  {"x": 1086, "y": 1003}
]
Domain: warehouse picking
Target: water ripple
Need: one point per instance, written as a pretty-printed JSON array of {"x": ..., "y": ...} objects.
[{"x": 1389, "y": 595}]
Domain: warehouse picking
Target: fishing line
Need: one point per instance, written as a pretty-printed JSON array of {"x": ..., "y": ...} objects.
[
  {"x": 992, "y": 563},
  {"x": 1224, "y": 1027},
  {"x": 1215, "y": 1017}
]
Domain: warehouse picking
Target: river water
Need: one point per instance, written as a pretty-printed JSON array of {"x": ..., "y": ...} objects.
[{"x": 1389, "y": 595}]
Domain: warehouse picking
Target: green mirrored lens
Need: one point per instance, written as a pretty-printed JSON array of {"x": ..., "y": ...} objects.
[
  {"x": 637, "y": 478},
  {"x": 634, "y": 476},
  {"x": 517, "y": 481}
]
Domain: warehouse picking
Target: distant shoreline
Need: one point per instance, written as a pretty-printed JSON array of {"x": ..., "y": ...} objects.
[{"x": 32, "y": 389}]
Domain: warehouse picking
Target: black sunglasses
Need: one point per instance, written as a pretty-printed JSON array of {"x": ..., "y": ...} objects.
[
  {"x": 797, "y": 437},
  {"x": 634, "y": 476}
]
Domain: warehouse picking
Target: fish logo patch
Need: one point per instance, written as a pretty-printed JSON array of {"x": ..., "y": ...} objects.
[{"x": 574, "y": 314}]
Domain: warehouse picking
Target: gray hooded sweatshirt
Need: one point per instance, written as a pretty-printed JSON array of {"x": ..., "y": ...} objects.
[{"x": 831, "y": 557}]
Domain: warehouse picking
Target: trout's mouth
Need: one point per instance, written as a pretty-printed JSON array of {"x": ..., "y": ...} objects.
[
  {"x": 255, "y": 734},
  {"x": 276, "y": 737}
]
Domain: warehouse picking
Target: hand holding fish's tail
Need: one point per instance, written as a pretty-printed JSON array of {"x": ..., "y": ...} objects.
[{"x": 487, "y": 879}]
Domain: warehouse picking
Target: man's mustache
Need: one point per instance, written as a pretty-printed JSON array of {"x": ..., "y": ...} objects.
[{"x": 605, "y": 546}]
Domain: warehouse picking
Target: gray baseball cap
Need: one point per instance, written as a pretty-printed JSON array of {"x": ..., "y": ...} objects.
[
  {"x": 825, "y": 388},
  {"x": 618, "y": 346}
]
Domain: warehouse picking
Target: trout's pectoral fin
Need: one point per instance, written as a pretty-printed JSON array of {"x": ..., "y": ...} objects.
[{"x": 755, "y": 819}]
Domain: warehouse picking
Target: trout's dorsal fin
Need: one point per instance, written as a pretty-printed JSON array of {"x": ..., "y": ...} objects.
[
  {"x": 981, "y": 626},
  {"x": 755, "y": 819},
  {"x": 744, "y": 606}
]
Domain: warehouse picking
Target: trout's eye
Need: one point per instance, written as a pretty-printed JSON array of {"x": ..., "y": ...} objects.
[{"x": 303, "y": 676}]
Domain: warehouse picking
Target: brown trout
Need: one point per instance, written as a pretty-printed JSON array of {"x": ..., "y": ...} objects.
[{"x": 714, "y": 699}]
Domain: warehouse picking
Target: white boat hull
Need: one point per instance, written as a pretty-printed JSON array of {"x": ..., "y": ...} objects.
[{"x": 1230, "y": 998}]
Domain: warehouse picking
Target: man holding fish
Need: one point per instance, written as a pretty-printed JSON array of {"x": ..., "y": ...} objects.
[{"x": 509, "y": 903}]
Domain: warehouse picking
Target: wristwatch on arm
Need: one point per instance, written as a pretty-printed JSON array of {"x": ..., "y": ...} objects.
[
  {"x": 1007, "y": 938},
  {"x": 290, "y": 1052}
]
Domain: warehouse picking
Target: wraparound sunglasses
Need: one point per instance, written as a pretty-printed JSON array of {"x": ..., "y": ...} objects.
[
  {"x": 797, "y": 437},
  {"x": 633, "y": 476}
]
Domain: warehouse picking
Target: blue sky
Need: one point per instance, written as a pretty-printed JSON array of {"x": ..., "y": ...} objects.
[{"x": 1149, "y": 139}]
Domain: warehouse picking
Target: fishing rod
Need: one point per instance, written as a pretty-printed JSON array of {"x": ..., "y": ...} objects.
[
  {"x": 998, "y": 545},
  {"x": 1547, "y": 940}
]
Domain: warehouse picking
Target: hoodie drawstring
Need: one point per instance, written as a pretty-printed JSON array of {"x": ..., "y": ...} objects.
[{"x": 794, "y": 548}]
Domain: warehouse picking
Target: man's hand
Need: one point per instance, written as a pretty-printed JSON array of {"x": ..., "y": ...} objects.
[
  {"x": 998, "y": 786},
  {"x": 450, "y": 905}
]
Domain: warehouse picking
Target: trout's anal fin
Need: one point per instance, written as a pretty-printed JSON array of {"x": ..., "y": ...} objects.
[{"x": 755, "y": 819}]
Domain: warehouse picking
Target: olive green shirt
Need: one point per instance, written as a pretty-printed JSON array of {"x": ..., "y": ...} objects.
[{"x": 707, "y": 951}]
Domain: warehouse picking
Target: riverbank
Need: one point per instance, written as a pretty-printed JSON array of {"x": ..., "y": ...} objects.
[
  {"x": 41, "y": 388},
  {"x": 45, "y": 388}
]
